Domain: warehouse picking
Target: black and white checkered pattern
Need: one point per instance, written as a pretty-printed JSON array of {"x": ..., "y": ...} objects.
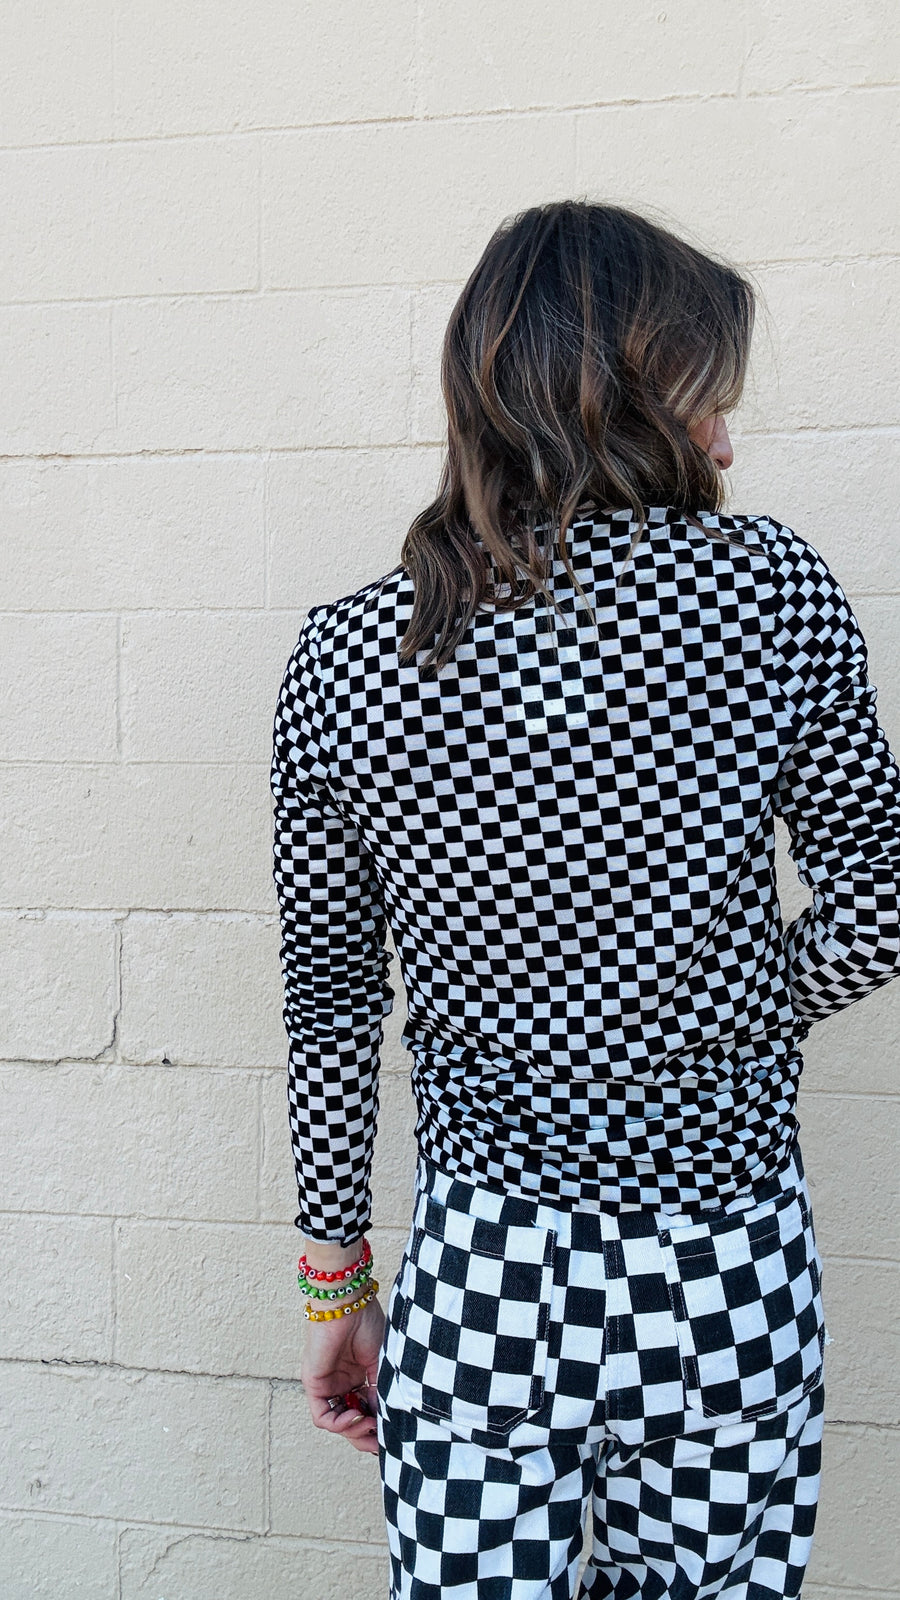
[
  {"x": 670, "y": 1367},
  {"x": 571, "y": 833}
]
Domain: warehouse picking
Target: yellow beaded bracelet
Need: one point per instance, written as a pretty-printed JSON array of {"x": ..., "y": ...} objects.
[{"x": 340, "y": 1311}]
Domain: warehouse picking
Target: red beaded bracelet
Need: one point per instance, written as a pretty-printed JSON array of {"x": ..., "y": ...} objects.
[{"x": 316, "y": 1275}]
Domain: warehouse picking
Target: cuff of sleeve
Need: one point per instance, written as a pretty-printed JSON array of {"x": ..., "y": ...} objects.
[{"x": 348, "y": 1236}]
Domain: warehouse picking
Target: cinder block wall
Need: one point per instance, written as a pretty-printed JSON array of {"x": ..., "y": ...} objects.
[{"x": 233, "y": 234}]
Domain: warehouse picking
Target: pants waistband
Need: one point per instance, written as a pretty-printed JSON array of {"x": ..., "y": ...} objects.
[{"x": 462, "y": 1194}]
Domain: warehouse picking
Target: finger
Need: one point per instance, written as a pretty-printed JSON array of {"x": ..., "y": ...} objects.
[
  {"x": 338, "y": 1420},
  {"x": 358, "y": 1430},
  {"x": 350, "y": 1421},
  {"x": 322, "y": 1412}
]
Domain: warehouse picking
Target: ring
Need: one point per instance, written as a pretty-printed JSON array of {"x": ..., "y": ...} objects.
[{"x": 336, "y": 1402}]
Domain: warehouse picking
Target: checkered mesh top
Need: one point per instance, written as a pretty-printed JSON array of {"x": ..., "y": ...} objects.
[{"x": 570, "y": 832}]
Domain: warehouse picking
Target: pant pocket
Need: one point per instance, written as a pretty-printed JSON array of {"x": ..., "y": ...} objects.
[
  {"x": 745, "y": 1291},
  {"x": 469, "y": 1341}
]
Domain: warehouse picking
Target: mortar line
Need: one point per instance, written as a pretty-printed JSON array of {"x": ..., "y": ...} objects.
[
  {"x": 226, "y": 1532},
  {"x": 242, "y": 452},
  {"x": 98, "y": 1367},
  {"x": 387, "y": 285},
  {"x": 222, "y": 1224},
  {"x": 250, "y": 452},
  {"x": 267, "y": 918},
  {"x": 851, "y": 1094},
  {"x": 812, "y": 91}
]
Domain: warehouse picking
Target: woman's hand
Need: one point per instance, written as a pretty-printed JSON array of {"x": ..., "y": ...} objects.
[{"x": 338, "y": 1356}]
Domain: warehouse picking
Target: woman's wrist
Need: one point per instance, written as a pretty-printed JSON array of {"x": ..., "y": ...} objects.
[{"x": 327, "y": 1256}]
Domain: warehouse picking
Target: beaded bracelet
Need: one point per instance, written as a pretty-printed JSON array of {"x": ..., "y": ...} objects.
[
  {"x": 349, "y": 1287},
  {"x": 341, "y": 1288},
  {"x": 346, "y": 1276},
  {"x": 341, "y": 1311},
  {"x": 342, "y": 1273}
]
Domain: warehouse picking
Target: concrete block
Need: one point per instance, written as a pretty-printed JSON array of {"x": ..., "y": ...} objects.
[
  {"x": 821, "y": 202},
  {"x": 833, "y": 489},
  {"x": 64, "y": 669},
  {"x": 431, "y": 314},
  {"x": 319, "y": 1485},
  {"x": 821, "y": 1591},
  {"x": 69, "y": 53},
  {"x": 849, "y": 1148},
  {"x": 825, "y": 348},
  {"x": 586, "y": 56},
  {"x": 216, "y": 1298},
  {"x": 201, "y": 990},
  {"x": 45, "y": 1558},
  {"x": 203, "y": 686},
  {"x": 268, "y": 371},
  {"x": 365, "y": 184},
  {"x": 153, "y": 835},
  {"x": 139, "y": 532},
  {"x": 165, "y": 217},
  {"x": 131, "y": 1141},
  {"x": 393, "y": 1162},
  {"x": 214, "y": 67},
  {"x": 180, "y": 1561},
  {"x": 861, "y": 1300},
  {"x": 58, "y": 1305},
  {"x": 211, "y": 1298},
  {"x": 855, "y": 1546},
  {"x": 146, "y": 1446},
  {"x": 59, "y": 997},
  {"x": 784, "y": 51},
  {"x": 58, "y": 392},
  {"x": 337, "y": 524}
]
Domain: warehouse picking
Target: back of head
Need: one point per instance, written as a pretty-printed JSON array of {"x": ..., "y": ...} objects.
[{"x": 586, "y": 344}]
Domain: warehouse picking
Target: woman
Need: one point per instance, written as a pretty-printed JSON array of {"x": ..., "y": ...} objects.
[{"x": 548, "y": 749}]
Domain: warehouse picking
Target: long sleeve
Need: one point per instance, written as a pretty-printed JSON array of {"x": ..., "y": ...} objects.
[
  {"x": 333, "y": 958},
  {"x": 839, "y": 794}
]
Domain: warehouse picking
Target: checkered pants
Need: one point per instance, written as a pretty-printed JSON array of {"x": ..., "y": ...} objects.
[{"x": 669, "y": 1367}]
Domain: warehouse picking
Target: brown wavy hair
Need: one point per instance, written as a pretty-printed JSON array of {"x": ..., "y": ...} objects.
[{"x": 585, "y": 345}]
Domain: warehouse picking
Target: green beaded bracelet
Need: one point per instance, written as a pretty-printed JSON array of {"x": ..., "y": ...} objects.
[
  {"x": 339, "y": 1288},
  {"x": 349, "y": 1285}
]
